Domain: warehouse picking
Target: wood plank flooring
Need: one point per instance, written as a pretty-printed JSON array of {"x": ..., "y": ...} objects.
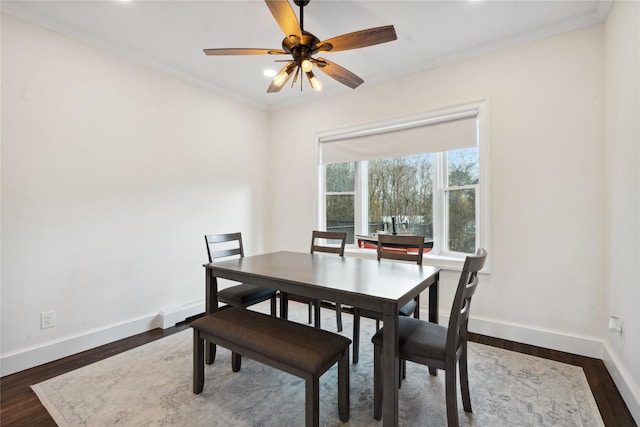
[{"x": 19, "y": 406}]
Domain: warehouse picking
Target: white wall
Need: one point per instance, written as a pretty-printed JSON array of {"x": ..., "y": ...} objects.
[
  {"x": 622, "y": 137},
  {"x": 111, "y": 174},
  {"x": 546, "y": 134}
]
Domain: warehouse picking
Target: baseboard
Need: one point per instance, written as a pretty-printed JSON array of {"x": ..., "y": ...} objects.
[
  {"x": 30, "y": 357},
  {"x": 46, "y": 352},
  {"x": 551, "y": 339},
  {"x": 175, "y": 315},
  {"x": 627, "y": 386}
]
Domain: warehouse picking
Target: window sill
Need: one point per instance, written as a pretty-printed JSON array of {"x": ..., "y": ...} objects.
[{"x": 442, "y": 261}]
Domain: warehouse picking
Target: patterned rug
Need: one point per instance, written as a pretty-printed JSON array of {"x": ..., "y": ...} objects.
[{"x": 151, "y": 386}]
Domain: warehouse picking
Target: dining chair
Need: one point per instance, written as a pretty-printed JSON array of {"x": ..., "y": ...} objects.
[
  {"x": 435, "y": 345},
  {"x": 226, "y": 246},
  {"x": 403, "y": 247},
  {"x": 320, "y": 243}
]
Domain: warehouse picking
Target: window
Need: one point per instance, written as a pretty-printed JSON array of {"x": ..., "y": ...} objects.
[
  {"x": 460, "y": 197},
  {"x": 419, "y": 176},
  {"x": 340, "y": 193}
]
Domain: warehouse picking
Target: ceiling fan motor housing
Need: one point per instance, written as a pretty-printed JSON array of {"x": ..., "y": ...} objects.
[{"x": 301, "y": 49}]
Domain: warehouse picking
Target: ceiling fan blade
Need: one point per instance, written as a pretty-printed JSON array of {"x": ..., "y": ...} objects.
[
  {"x": 285, "y": 17},
  {"x": 288, "y": 68},
  {"x": 244, "y": 51},
  {"x": 339, "y": 73},
  {"x": 358, "y": 39}
]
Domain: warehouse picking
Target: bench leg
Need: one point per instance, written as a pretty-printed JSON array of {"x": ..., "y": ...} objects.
[
  {"x": 312, "y": 399},
  {"x": 198, "y": 362},
  {"x": 343, "y": 386},
  {"x": 236, "y": 361},
  {"x": 211, "y": 353}
]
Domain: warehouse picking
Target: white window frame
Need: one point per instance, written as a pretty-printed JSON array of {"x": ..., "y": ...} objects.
[{"x": 438, "y": 256}]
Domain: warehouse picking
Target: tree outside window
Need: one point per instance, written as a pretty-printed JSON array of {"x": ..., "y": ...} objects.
[
  {"x": 401, "y": 191},
  {"x": 462, "y": 183},
  {"x": 405, "y": 192}
]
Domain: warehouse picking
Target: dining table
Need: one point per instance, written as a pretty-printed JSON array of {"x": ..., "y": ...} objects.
[{"x": 382, "y": 286}]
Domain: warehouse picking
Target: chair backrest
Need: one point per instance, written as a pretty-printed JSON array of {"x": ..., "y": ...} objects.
[
  {"x": 316, "y": 235},
  {"x": 459, "y": 320},
  {"x": 394, "y": 246},
  {"x": 224, "y": 245}
]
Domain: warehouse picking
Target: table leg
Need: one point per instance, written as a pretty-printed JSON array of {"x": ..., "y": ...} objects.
[
  {"x": 316, "y": 313},
  {"x": 390, "y": 366},
  {"x": 284, "y": 305},
  {"x": 433, "y": 308},
  {"x": 211, "y": 306}
]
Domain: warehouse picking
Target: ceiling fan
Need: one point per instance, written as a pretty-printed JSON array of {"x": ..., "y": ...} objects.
[{"x": 302, "y": 45}]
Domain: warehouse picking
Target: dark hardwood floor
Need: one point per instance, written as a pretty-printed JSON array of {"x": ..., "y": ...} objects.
[{"x": 19, "y": 405}]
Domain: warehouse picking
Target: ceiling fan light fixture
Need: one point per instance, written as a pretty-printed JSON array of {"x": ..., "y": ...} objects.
[
  {"x": 283, "y": 75},
  {"x": 314, "y": 82},
  {"x": 306, "y": 65},
  {"x": 279, "y": 79}
]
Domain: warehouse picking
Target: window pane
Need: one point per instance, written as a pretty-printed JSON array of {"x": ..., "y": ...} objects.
[
  {"x": 340, "y": 215},
  {"x": 340, "y": 177},
  {"x": 462, "y": 220},
  {"x": 401, "y": 190},
  {"x": 463, "y": 167}
]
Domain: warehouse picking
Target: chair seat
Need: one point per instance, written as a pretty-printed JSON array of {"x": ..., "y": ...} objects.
[
  {"x": 408, "y": 309},
  {"x": 241, "y": 295},
  {"x": 418, "y": 337}
]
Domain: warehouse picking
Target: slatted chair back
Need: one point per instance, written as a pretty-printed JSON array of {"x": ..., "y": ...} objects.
[
  {"x": 394, "y": 246},
  {"x": 224, "y": 245},
  {"x": 459, "y": 319},
  {"x": 318, "y": 246}
]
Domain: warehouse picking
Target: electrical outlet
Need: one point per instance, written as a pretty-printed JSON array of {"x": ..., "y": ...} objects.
[{"x": 47, "y": 319}]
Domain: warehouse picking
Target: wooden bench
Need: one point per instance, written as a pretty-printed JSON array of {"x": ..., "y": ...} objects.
[{"x": 291, "y": 347}]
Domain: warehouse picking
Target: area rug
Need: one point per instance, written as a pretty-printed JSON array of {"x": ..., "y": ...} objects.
[{"x": 152, "y": 386}]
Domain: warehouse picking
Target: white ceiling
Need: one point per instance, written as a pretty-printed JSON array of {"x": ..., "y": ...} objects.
[{"x": 170, "y": 35}]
